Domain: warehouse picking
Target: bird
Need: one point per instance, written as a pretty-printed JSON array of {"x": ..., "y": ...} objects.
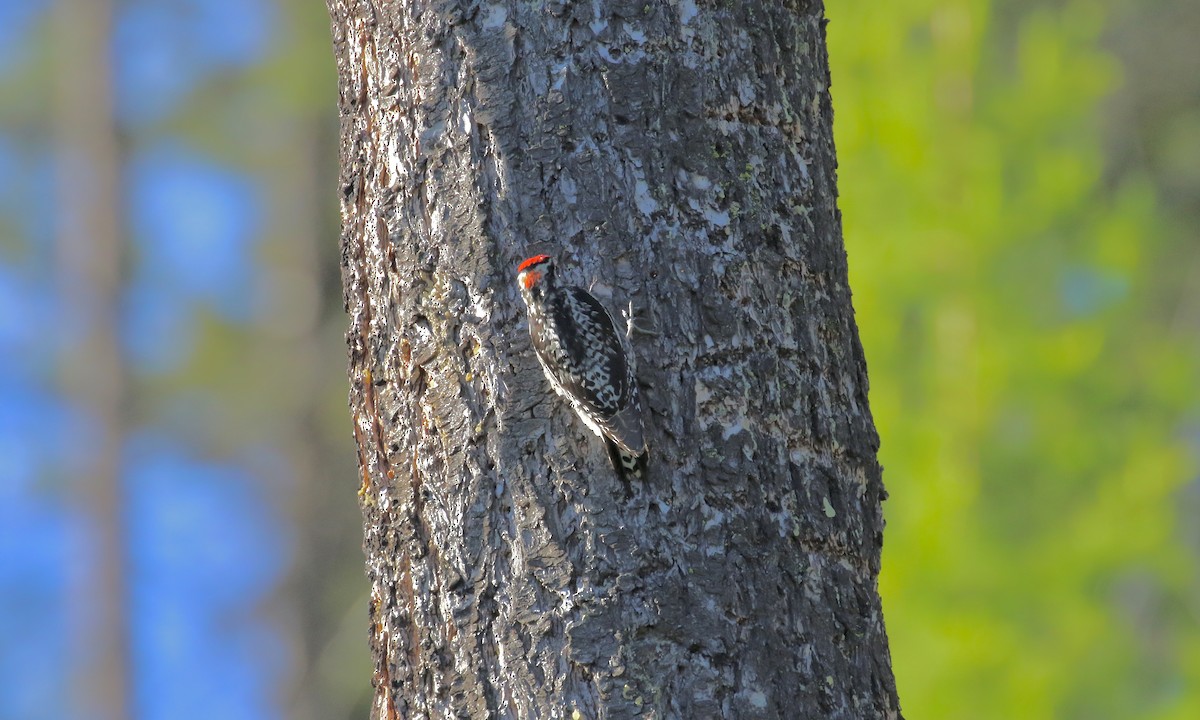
[{"x": 588, "y": 363}]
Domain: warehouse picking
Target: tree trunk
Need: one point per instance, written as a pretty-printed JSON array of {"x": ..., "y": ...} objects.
[
  {"x": 675, "y": 157},
  {"x": 94, "y": 378}
]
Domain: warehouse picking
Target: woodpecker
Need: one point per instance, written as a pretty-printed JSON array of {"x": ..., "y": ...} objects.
[{"x": 587, "y": 362}]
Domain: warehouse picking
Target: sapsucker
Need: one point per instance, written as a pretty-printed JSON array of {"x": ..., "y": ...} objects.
[{"x": 587, "y": 361}]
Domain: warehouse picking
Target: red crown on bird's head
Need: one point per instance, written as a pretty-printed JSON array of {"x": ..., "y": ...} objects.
[{"x": 530, "y": 262}]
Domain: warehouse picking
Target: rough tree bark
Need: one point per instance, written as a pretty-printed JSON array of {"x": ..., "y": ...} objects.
[{"x": 675, "y": 155}]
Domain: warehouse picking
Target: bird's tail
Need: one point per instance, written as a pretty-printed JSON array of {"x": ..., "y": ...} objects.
[{"x": 627, "y": 465}]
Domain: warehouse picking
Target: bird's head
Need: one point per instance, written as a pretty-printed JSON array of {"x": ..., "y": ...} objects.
[{"x": 535, "y": 274}]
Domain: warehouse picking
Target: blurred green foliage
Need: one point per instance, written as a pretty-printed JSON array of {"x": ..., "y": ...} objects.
[{"x": 1031, "y": 378}]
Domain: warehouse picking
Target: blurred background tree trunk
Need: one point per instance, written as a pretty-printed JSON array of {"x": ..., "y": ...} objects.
[
  {"x": 90, "y": 258},
  {"x": 675, "y": 157}
]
